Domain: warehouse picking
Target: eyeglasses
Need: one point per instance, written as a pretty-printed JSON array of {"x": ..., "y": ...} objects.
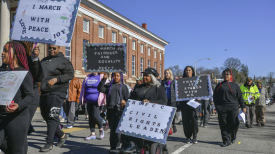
[{"x": 52, "y": 48}]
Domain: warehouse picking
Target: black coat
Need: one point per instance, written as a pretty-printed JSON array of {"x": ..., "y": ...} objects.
[
  {"x": 228, "y": 95},
  {"x": 153, "y": 93},
  {"x": 115, "y": 94},
  {"x": 56, "y": 67}
]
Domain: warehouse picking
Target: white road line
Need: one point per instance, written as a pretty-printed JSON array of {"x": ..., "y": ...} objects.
[{"x": 182, "y": 148}]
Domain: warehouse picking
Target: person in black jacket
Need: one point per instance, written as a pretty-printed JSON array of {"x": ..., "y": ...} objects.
[
  {"x": 150, "y": 91},
  {"x": 188, "y": 113},
  {"x": 57, "y": 71},
  {"x": 116, "y": 96},
  {"x": 14, "y": 118},
  {"x": 227, "y": 100},
  {"x": 36, "y": 71},
  {"x": 169, "y": 84}
]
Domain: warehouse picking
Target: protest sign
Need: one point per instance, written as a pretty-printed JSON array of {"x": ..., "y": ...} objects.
[
  {"x": 105, "y": 57},
  {"x": 148, "y": 121},
  {"x": 45, "y": 21},
  {"x": 193, "y": 88},
  {"x": 10, "y": 81}
]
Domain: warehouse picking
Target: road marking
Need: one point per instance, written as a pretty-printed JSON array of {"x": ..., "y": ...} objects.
[
  {"x": 182, "y": 148},
  {"x": 74, "y": 129}
]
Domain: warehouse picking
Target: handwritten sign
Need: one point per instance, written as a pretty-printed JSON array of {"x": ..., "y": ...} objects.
[
  {"x": 105, "y": 58},
  {"x": 10, "y": 81},
  {"x": 45, "y": 21},
  {"x": 193, "y": 88},
  {"x": 148, "y": 121}
]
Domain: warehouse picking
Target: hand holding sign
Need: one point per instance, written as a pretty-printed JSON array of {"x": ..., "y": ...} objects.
[{"x": 12, "y": 107}]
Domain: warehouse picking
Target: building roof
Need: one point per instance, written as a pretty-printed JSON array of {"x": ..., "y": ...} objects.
[{"x": 105, "y": 10}]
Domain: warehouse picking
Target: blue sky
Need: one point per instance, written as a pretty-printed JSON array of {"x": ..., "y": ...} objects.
[{"x": 216, "y": 29}]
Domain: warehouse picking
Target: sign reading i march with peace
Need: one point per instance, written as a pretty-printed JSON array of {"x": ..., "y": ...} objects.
[
  {"x": 45, "y": 21},
  {"x": 198, "y": 87},
  {"x": 104, "y": 57},
  {"x": 148, "y": 121}
]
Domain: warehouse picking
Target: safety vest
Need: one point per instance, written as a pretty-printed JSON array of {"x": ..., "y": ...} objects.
[{"x": 252, "y": 91}]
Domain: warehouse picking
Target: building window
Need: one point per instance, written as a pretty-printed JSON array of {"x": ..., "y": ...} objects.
[
  {"x": 141, "y": 64},
  {"x": 149, "y": 63},
  {"x": 133, "y": 45},
  {"x": 101, "y": 32},
  {"x": 68, "y": 53},
  {"x": 141, "y": 48},
  {"x": 86, "y": 25},
  {"x": 160, "y": 70},
  {"x": 160, "y": 56},
  {"x": 155, "y": 54},
  {"x": 114, "y": 37},
  {"x": 155, "y": 65},
  {"x": 149, "y": 51},
  {"x": 83, "y": 55},
  {"x": 124, "y": 39},
  {"x": 133, "y": 65}
]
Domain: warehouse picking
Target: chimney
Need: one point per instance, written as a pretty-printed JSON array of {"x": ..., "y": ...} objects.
[{"x": 144, "y": 25}]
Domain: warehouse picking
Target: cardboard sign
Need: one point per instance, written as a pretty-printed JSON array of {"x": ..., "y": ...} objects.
[
  {"x": 148, "y": 121},
  {"x": 10, "y": 81},
  {"x": 45, "y": 21},
  {"x": 193, "y": 88},
  {"x": 105, "y": 57}
]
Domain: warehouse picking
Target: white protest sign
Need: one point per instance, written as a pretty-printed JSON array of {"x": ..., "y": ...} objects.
[
  {"x": 148, "y": 121},
  {"x": 45, "y": 21},
  {"x": 194, "y": 104},
  {"x": 10, "y": 81}
]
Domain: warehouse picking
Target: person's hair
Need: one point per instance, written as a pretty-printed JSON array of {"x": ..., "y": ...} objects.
[
  {"x": 247, "y": 80},
  {"x": 19, "y": 52},
  {"x": 228, "y": 70},
  {"x": 155, "y": 81},
  {"x": 170, "y": 72},
  {"x": 184, "y": 71}
]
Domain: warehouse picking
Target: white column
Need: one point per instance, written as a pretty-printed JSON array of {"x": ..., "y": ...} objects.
[{"x": 4, "y": 25}]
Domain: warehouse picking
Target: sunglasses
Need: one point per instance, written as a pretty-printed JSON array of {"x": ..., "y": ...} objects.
[{"x": 52, "y": 48}]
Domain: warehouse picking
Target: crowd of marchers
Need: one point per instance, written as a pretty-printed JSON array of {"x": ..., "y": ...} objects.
[{"x": 59, "y": 91}]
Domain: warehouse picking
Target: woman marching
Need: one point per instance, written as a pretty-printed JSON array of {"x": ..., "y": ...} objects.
[
  {"x": 150, "y": 91},
  {"x": 116, "y": 96},
  {"x": 227, "y": 100},
  {"x": 189, "y": 114},
  {"x": 89, "y": 94},
  {"x": 15, "y": 118},
  {"x": 169, "y": 84}
]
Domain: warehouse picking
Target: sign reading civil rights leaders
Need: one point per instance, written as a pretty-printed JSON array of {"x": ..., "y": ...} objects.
[
  {"x": 148, "y": 121},
  {"x": 45, "y": 21},
  {"x": 105, "y": 57},
  {"x": 193, "y": 88},
  {"x": 10, "y": 81}
]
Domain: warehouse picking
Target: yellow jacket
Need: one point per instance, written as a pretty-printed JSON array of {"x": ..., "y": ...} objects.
[{"x": 252, "y": 91}]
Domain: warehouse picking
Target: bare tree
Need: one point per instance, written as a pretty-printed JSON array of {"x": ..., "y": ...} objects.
[
  {"x": 177, "y": 71},
  {"x": 233, "y": 63}
]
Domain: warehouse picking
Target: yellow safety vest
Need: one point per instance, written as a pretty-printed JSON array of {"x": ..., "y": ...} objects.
[{"x": 252, "y": 91}]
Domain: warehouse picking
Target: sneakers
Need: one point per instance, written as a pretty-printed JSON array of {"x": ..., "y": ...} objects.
[
  {"x": 195, "y": 141},
  {"x": 101, "y": 134},
  {"x": 47, "y": 147},
  {"x": 91, "y": 137},
  {"x": 225, "y": 144},
  {"x": 62, "y": 141},
  {"x": 188, "y": 140},
  {"x": 69, "y": 126}
]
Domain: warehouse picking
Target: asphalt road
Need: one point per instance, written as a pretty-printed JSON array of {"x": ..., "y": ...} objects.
[{"x": 253, "y": 140}]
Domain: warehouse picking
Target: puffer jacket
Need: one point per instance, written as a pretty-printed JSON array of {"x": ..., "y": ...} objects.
[{"x": 74, "y": 90}]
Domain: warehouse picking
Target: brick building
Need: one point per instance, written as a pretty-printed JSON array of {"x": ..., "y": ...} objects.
[{"x": 97, "y": 23}]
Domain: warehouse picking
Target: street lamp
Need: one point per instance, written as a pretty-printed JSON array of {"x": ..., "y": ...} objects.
[{"x": 195, "y": 63}]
